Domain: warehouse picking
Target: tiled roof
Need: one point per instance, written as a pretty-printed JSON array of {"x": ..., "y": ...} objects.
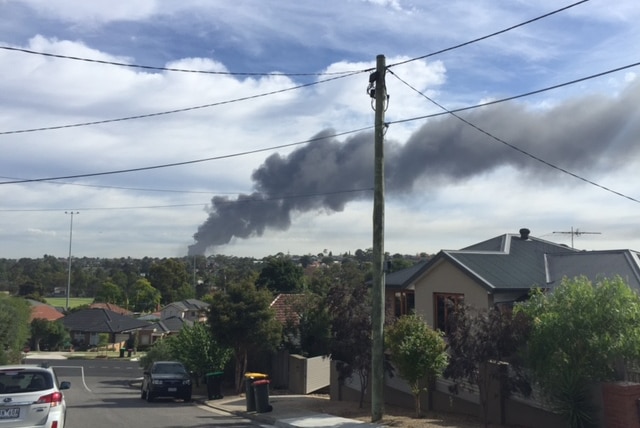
[
  {"x": 111, "y": 307},
  {"x": 285, "y": 305},
  {"x": 41, "y": 310},
  {"x": 101, "y": 321},
  {"x": 190, "y": 305}
]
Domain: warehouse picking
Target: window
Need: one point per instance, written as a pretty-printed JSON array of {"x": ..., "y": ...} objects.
[
  {"x": 404, "y": 303},
  {"x": 445, "y": 304}
]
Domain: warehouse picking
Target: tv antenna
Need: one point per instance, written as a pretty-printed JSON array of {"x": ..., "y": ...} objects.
[{"x": 577, "y": 232}]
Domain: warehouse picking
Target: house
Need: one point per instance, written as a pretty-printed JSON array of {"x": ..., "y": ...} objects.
[
  {"x": 500, "y": 271},
  {"x": 111, "y": 307},
  {"x": 191, "y": 309},
  {"x": 160, "y": 329},
  {"x": 86, "y": 325},
  {"x": 41, "y": 310},
  {"x": 286, "y": 308}
]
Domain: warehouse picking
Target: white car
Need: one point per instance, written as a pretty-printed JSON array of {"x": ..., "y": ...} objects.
[{"x": 31, "y": 396}]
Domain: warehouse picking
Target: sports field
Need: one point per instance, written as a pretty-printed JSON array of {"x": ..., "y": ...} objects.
[{"x": 73, "y": 301}]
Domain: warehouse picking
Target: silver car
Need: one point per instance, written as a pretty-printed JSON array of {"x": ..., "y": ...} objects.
[{"x": 31, "y": 396}]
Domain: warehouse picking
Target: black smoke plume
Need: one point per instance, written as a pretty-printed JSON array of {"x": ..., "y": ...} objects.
[{"x": 588, "y": 134}]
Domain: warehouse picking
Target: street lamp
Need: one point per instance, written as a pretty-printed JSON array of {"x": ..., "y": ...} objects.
[{"x": 70, "y": 240}]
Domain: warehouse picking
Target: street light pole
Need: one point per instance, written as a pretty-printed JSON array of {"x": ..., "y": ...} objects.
[{"x": 70, "y": 240}]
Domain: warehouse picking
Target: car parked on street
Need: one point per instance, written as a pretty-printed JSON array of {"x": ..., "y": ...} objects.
[
  {"x": 31, "y": 396},
  {"x": 166, "y": 379}
]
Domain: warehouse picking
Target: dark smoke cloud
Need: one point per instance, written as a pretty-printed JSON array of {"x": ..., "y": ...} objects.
[{"x": 591, "y": 133}]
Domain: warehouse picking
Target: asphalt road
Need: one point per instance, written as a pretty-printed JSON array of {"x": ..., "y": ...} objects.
[{"x": 101, "y": 397}]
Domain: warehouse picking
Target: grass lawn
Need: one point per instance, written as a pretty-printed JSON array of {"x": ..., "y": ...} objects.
[{"x": 73, "y": 301}]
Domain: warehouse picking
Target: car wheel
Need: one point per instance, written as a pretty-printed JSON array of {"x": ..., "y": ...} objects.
[{"x": 187, "y": 397}]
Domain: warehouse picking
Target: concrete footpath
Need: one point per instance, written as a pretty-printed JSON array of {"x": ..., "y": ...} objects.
[{"x": 289, "y": 411}]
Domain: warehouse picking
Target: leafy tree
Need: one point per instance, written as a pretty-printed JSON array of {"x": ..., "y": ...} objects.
[
  {"x": 581, "y": 332},
  {"x": 477, "y": 338},
  {"x": 195, "y": 347},
  {"x": 160, "y": 351},
  {"x": 241, "y": 319},
  {"x": 417, "y": 351},
  {"x": 309, "y": 333},
  {"x": 14, "y": 328},
  {"x": 168, "y": 276},
  {"x": 145, "y": 298},
  {"x": 49, "y": 334},
  {"x": 281, "y": 275},
  {"x": 109, "y": 293},
  {"x": 348, "y": 302}
]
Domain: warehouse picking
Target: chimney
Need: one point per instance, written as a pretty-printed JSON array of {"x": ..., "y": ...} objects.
[{"x": 524, "y": 234}]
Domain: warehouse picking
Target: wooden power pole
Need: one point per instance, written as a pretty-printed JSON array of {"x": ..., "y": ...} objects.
[{"x": 379, "y": 92}]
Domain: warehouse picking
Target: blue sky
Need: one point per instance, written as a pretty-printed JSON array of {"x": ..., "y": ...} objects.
[{"x": 561, "y": 159}]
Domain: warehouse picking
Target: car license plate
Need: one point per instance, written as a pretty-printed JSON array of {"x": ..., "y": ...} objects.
[
  {"x": 172, "y": 389},
  {"x": 11, "y": 413}
]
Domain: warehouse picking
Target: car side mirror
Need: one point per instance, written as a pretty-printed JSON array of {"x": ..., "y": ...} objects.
[{"x": 65, "y": 385}]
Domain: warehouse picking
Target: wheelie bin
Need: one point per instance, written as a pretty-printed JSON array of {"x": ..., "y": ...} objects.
[
  {"x": 261, "y": 392},
  {"x": 249, "y": 379},
  {"x": 214, "y": 385}
]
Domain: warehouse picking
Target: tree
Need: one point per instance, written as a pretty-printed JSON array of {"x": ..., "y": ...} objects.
[
  {"x": 242, "y": 320},
  {"x": 476, "y": 339},
  {"x": 417, "y": 351},
  {"x": 281, "y": 275},
  {"x": 309, "y": 332},
  {"x": 109, "y": 293},
  {"x": 145, "y": 298},
  {"x": 581, "y": 334},
  {"x": 348, "y": 301},
  {"x": 160, "y": 351},
  {"x": 48, "y": 334},
  {"x": 168, "y": 276},
  {"x": 14, "y": 328},
  {"x": 195, "y": 347}
]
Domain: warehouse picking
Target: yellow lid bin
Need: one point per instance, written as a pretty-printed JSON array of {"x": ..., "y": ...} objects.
[{"x": 255, "y": 376}]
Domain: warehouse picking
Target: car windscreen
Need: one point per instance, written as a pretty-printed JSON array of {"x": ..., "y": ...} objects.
[
  {"x": 17, "y": 381},
  {"x": 169, "y": 368}
]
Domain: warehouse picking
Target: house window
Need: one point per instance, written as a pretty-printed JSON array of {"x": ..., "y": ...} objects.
[
  {"x": 403, "y": 303},
  {"x": 445, "y": 304}
]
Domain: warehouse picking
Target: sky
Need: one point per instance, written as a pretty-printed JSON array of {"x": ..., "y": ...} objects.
[{"x": 245, "y": 128}]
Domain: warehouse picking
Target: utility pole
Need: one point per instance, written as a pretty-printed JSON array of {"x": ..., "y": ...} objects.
[
  {"x": 577, "y": 232},
  {"x": 377, "y": 90},
  {"x": 70, "y": 240}
]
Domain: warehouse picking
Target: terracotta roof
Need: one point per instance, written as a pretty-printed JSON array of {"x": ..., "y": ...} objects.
[
  {"x": 43, "y": 311},
  {"x": 285, "y": 307},
  {"x": 111, "y": 307}
]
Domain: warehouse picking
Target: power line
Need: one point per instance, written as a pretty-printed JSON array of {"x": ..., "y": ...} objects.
[
  {"x": 515, "y": 97},
  {"x": 339, "y": 74},
  {"x": 218, "y": 202},
  {"x": 179, "y": 70},
  {"x": 445, "y": 112},
  {"x": 168, "y": 165},
  {"x": 182, "y": 110},
  {"x": 511, "y": 146},
  {"x": 513, "y": 27}
]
